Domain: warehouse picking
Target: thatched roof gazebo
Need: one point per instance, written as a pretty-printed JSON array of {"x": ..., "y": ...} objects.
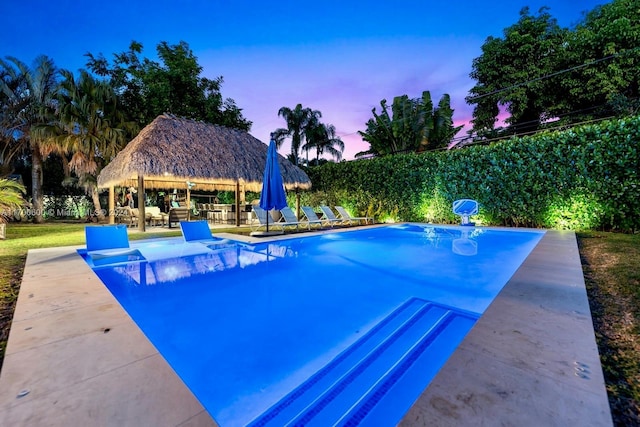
[{"x": 171, "y": 152}]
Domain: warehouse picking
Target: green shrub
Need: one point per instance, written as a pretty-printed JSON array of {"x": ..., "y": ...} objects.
[{"x": 582, "y": 178}]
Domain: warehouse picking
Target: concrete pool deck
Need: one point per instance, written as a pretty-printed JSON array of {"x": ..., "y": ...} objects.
[{"x": 75, "y": 358}]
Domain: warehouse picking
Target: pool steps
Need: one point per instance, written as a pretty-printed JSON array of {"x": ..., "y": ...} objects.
[{"x": 377, "y": 379}]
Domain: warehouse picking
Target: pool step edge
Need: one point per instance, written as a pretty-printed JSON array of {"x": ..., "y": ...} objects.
[{"x": 348, "y": 387}]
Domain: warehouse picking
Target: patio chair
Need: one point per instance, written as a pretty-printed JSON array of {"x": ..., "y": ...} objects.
[
  {"x": 109, "y": 244},
  {"x": 330, "y": 218},
  {"x": 194, "y": 231},
  {"x": 199, "y": 232},
  {"x": 291, "y": 218},
  {"x": 154, "y": 216},
  {"x": 125, "y": 215},
  {"x": 342, "y": 212},
  {"x": 465, "y": 208},
  {"x": 259, "y": 221},
  {"x": 288, "y": 219},
  {"x": 311, "y": 217},
  {"x": 177, "y": 214}
]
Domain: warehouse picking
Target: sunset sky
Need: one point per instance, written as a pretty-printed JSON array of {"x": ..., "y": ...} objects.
[{"x": 338, "y": 57}]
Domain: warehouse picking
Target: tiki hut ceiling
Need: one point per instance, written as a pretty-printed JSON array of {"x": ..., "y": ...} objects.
[{"x": 171, "y": 151}]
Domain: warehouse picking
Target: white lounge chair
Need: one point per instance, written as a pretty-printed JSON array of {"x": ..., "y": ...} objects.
[
  {"x": 330, "y": 218},
  {"x": 465, "y": 208},
  {"x": 342, "y": 212},
  {"x": 259, "y": 221},
  {"x": 291, "y": 218},
  {"x": 310, "y": 217}
]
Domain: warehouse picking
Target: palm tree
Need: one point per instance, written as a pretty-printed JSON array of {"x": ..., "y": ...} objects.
[
  {"x": 10, "y": 147},
  {"x": 10, "y": 199},
  {"x": 28, "y": 102},
  {"x": 323, "y": 139},
  {"x": 91, "y": 129},
  {"x": 297, "y": 120},
  {"x": 439, "y": 129},
  {"x": 397, "y": 132},
  {"x": 414, "y": 125}
]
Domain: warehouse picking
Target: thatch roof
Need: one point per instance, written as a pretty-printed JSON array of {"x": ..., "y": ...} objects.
[{"x": 172, "y": 150}]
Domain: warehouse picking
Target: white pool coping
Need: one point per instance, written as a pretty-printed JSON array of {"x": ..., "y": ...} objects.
[{"x": 77, "y": 358}]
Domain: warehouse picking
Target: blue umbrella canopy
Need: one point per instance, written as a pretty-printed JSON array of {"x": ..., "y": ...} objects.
[{"x": 272, "y": 195}]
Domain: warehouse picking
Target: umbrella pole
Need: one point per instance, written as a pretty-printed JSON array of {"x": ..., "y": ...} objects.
[
  {"x": 237, "y": 216},
  {"x": 141, "y": 214}
]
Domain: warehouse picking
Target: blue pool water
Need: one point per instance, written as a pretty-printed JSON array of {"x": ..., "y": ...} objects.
[{"x": 344, "y": 328}]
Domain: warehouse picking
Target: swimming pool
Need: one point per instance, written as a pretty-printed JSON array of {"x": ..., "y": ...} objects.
[{"x": 340, "y": 328}]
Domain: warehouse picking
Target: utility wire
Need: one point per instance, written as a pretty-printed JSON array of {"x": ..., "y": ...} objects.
[
  {"x": 577, "y": 67},
  {"x": 532, "y": 122},
  {"x": 533, "y": 132}
]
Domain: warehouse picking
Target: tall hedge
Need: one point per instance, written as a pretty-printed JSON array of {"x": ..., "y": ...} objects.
[{"x": 582, "y": 178}]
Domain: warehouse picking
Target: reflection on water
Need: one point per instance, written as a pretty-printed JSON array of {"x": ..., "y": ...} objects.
[
  {"x": 213, "y": 259},
  {"x": 171, "y": 262},
  {"x": 463, "y": 240},
  {"x": 466, "y": 244}
]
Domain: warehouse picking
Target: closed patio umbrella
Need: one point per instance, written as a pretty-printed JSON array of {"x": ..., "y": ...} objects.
[{"x": 272, "y": 195}]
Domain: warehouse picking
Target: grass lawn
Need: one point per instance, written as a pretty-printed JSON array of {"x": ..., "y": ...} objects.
[{"x": 611, "y": 264}]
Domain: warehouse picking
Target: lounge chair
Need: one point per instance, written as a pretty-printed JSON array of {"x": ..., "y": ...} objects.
[
  {"x": 465, "y": 208},
  {"x": 177, "y": 214},
  {"x": 199, "y": 231},
  {"x": 342, "y": 212},
  {"x": 312, "y": 219},
  {"x": 291, "y": 218},
  {"x": 193, "y": 231},
  {"x": 330, "y": 218},
  {"x": 109, "y": 244},
  {"x": 259, "y": 221}
]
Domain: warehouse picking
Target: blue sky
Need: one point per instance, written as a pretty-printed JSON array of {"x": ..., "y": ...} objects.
[{"x": 338, "y": 57}]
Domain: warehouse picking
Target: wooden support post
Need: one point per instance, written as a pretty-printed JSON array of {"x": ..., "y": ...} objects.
[{"x": 112, "y": 206}]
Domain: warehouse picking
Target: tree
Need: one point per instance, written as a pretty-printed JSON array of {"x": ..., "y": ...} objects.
[
  {"x": 28, "y": 102},
  {"x": 147, "y": 88},
  {"x": 91, "y": 128},
  {"x": 399, "y": 132},
  {"x": 509, "y": 73},
  {"x": 10, "y": 199},
  {"x": 10, "y": 147},
  {"x": 322, "y": 138},
  {"x": 299, "y": 120},
  {"x": 439, "y": 129},
  {"x": 604, "y": 58},
  {"x": 539, "y": 71},
  {"x": 413, "y": 125}
]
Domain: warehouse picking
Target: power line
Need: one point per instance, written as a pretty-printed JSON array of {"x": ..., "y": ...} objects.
[
  {"x": 577, "y": 67},
  {"x": 533, "y": 132},
  {"x": 537, "y": 122}
]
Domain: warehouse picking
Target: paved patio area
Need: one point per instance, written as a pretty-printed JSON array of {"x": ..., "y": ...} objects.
[{"x": 75, "y": 358}]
